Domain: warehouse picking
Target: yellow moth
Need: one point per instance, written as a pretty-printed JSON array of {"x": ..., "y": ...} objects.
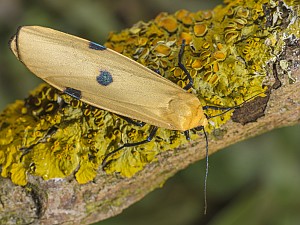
[{"x": 106, "y": 79}]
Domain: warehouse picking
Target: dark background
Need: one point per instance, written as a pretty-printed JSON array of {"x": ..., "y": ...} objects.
[{"x": 253, "y": 182}]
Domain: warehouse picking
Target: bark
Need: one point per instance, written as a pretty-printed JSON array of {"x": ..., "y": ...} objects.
[{"x": 67, "y": 202}]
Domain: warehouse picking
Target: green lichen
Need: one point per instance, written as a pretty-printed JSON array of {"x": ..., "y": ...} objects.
[{"x": 53, "y": 135}]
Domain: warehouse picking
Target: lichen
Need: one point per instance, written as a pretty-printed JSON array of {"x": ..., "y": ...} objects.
[{"x": 227, "y": 50}]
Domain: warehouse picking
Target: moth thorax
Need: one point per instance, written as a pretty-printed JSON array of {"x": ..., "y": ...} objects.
[{"x": 187, "y": 113}]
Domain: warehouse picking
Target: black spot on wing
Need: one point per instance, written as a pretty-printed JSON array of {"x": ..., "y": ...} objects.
[
  {"x": 73, "y": 93},
  {"x": 104, "y": 78},
  {"x": 96, "y": 46}
]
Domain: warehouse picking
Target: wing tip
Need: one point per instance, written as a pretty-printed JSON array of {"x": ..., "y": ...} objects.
[{"x": 13, "y": 42}]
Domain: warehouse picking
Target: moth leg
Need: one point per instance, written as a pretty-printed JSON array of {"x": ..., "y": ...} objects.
[
  {"x": 136, "y": 123},
  {"x": 153, "y": 130},
  {"x": 187, "y": 135},
  {"x": 49, "y": 133},
  {"x": 181, "y": 66}
]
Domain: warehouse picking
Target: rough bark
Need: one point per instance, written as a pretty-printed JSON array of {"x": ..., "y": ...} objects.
[{"x": 67, "y": 202}]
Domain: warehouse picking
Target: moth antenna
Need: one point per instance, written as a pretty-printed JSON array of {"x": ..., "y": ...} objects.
[
  {"x": 206, "y": 166},
  {"x": 227, "y": 109},
  {"x": 206, "y": 172}
]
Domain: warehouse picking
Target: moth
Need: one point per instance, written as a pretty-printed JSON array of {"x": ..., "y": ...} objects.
[{"x": 106, "y": 79}]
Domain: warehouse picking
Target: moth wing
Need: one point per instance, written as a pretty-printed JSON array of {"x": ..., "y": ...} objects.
[{"x": 66, "y": 61}]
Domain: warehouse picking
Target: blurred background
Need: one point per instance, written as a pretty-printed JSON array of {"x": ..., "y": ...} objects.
[{"x": 253, "y": 182}]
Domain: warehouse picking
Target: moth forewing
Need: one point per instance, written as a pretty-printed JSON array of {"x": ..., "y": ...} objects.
[{"x": 106, "y": 79}]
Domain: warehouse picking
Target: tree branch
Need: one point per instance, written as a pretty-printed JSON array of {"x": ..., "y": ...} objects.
[{"x": 68, "y": 202}]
